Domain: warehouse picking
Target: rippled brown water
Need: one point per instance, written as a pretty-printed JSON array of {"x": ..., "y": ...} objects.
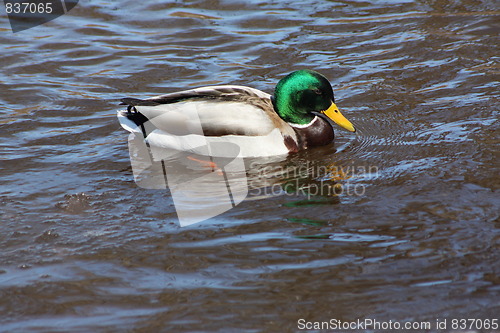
[{"x": 84, "y": 249}]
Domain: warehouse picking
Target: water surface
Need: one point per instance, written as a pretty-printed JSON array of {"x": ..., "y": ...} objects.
[{"x": 85, "y": 249}]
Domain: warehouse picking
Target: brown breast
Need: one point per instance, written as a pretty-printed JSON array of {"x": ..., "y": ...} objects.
[{"x": 318, "y": 133}]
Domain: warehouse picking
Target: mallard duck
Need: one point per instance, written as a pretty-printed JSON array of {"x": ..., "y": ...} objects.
[{"x": 298, "y": 116}]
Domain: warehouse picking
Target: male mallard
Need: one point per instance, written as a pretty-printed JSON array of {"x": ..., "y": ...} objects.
[{"x": 296, "y": 117}]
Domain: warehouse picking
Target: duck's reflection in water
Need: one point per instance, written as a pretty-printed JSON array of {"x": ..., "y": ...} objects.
[{"x": 204, "y": 186}]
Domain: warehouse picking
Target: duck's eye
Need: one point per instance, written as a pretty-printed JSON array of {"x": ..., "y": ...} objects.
[{"x": 317, "y": 91}]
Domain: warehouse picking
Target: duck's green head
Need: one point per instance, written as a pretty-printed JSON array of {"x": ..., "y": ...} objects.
[{"x": 303, "y": 94}]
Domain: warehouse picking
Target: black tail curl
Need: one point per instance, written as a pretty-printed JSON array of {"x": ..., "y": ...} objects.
[{"x": 132, "y": 113}]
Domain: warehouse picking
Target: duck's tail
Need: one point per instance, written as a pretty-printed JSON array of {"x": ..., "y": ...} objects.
[{"x": 131, "y": 113}]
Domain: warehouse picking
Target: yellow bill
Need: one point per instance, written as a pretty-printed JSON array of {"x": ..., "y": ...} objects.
[{"x": 334, "y": 114}]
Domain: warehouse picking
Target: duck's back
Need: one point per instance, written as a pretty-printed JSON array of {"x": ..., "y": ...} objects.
[
  {"x": 236, "y": 114},
  {"x": 221, "y": 110}
]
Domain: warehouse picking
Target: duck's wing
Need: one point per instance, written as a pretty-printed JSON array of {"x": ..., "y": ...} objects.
[
  {"x": 219, "y": 110},
  {"x": 215, "y": 92}
]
